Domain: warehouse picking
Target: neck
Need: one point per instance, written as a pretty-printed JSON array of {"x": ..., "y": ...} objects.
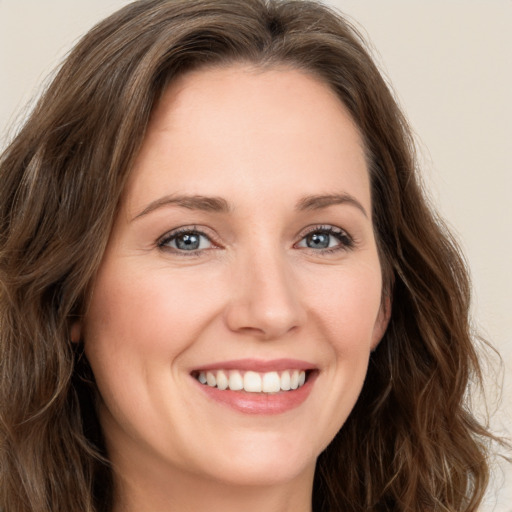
[{"x": 180, "y": 491}]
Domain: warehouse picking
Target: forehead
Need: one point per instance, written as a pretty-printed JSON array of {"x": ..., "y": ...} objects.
[{"x": 261, "y": 128}]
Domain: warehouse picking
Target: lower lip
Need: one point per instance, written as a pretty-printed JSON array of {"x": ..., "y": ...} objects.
[{"x": 261, "y": 403}]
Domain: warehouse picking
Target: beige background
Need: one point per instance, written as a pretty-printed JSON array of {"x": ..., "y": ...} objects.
[{"x": 450, "y": 63}]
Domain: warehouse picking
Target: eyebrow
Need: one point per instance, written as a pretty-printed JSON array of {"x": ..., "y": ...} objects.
[
  {"x": 220, "y": 205},
  {"x": 196, "y": 202},
  {"x": 317, "y": 202}
]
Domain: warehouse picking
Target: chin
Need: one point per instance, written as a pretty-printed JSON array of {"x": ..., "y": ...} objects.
[
  {"x": 268, "y": 473},
  {"x": 263, "y": 459}
]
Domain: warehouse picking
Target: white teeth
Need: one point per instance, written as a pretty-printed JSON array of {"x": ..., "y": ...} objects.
[
  {"x": 271, "y": 383},
  {"x": 210, "y": 379},
  {"x": 253, "y": 382},
  {"x": 222, "y": 380},
  {"x": 236, "y": 382},
  {"x": 294, "y": 381},
  {"x": 285, "y": 381}
]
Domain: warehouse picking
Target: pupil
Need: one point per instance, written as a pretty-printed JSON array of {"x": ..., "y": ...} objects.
[
  {"x": 188, "y": 242},
  {"x": 318, "y": 241}
]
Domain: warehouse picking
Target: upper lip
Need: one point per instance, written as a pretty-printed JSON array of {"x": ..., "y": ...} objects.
[{"x": 258, "y": 365}]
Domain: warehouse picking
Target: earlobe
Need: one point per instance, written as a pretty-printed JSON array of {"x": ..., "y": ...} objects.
[
  {"x": 382, "y": 322},
  {"x": 76, "y": 331}
]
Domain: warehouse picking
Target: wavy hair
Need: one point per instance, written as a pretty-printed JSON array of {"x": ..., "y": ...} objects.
[{"x": 411, "y": 442}]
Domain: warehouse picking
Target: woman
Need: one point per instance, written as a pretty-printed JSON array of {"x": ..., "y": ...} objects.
[{"x": 221, "y": 283}]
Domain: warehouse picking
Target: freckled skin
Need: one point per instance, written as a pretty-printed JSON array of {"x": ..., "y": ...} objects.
[{"x": 261, "y": 140}]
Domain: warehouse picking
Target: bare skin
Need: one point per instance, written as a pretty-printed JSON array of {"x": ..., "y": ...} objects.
[{"x": 245, "y": 234}]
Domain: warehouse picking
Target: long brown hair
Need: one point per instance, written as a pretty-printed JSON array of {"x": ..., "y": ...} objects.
[{"x": 409, "y": 444}]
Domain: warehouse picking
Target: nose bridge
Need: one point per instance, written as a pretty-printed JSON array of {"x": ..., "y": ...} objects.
[{"x": 264, "y": 299}]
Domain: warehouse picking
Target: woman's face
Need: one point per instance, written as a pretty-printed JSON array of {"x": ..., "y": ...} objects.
[{"x": 243, "y": 255}]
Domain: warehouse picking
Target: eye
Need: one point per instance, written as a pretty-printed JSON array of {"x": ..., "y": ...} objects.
[
  {"x": 326, "y": 238},
  {"x": 186, "y": 240}
]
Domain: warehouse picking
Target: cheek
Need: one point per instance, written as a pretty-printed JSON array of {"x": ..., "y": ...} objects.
[
  {"x": 347, "y": 305},
  {"x": 147, "y": 313},
  {"x": 135, "y": 330}
]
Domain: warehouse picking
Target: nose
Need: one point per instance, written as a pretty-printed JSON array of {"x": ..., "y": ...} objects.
[{"x": 264, "y": 298}]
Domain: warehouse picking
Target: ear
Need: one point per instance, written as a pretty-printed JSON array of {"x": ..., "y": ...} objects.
[
  {"x": 382, "y": 322},
  {"x": 76, "y": 331}
]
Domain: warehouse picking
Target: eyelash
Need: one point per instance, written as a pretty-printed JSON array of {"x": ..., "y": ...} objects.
[
  {"x": 163, "y": 242},
  {"x": 346, "y": 242}
]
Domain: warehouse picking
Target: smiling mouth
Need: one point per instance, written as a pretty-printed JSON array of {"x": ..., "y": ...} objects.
[{"x": 253, "y": 382}]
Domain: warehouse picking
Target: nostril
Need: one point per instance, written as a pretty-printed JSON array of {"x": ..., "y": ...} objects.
[{"x": 259, "y": 321}]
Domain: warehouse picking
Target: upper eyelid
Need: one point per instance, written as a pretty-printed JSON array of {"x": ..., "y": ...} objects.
[
  {"x": 173, "y": 233},
  {"x": 333, "y": 230},
  {"x": 323, "y": 227}
]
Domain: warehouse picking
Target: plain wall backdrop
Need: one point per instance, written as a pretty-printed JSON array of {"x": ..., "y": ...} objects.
[{"x": 450, "y": 65}]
